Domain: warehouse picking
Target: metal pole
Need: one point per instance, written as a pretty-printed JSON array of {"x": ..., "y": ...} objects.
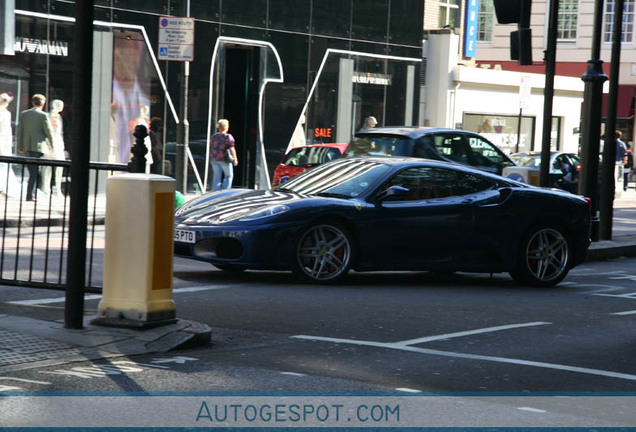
[
  {"x": 594, "y": 78},
  {"x": 183, "y": 128},
  {"x": 608, "y": 185},
  {"x": 548, "y": 95},
  {"x": 519, "y": 130},
  {"x": 80, "y": 152}
]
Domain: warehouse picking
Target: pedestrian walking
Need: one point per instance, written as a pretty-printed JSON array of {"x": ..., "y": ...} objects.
[
  {"x": 223, "y": 156},
  {"x": 56, "y": 106},
  {"x": 621, "y": 149},
  {"x": 628, "y": 164},
  {"x": 35, "y": 138}
]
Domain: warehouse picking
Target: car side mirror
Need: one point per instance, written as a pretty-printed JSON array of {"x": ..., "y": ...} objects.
[{"x": 392, "y": 192}]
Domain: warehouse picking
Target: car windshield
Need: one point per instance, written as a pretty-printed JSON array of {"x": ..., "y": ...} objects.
[
  {"x": 310, "y": 156},
  {"x": 346, "y": 179},
  {"x": 380, "y": 145}
]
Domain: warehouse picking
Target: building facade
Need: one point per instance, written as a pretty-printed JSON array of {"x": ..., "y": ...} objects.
[
  {"x": 574, "y": 46},
  {"x": 506, "y": 106},
  {"x": 283, "y": 72}
]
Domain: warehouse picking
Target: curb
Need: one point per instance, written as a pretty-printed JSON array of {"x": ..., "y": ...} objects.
[{"x": 611, "y": 250}]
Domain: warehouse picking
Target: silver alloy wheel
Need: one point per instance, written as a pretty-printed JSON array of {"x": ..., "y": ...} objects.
[
  {"x": 547, "y": 254},
  {"x": 324, "y": 253}
]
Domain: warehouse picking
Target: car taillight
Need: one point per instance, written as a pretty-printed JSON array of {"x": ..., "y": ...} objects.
[{"x": 589, "y": 202}]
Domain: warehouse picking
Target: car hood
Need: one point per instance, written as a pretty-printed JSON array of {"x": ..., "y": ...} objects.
[{"x": 218, "y": 208}]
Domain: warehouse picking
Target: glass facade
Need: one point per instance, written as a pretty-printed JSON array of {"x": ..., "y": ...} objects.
[{"x": 282, "y": 71}]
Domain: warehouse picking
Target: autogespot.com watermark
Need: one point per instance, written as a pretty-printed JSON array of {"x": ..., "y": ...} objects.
[
  {"x": 295, "y": 413},
  {"x": 176, "y": 412}
]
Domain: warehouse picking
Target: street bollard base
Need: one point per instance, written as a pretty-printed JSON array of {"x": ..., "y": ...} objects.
[{"x": 130, "y": 323}]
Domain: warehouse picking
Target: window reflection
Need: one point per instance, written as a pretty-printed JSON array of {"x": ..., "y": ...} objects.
[{"x": 131, "y": 102}]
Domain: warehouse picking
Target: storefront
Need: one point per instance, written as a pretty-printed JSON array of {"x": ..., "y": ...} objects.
[{"x": 283, "y": 72}]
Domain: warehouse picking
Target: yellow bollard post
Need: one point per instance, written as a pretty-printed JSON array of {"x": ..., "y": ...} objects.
[{"x": 138, "y": 252}]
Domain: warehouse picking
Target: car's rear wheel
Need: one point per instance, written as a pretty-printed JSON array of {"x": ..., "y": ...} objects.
[
  {"x": 544, "y": 257},
  {"x": 324, "y": 253}
]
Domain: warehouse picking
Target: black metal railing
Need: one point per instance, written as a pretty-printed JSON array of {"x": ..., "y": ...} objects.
[{"x": 34, "y": 234}]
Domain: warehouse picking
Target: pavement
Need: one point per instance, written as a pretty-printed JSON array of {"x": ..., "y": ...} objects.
[{"x": 30, "y": 339}]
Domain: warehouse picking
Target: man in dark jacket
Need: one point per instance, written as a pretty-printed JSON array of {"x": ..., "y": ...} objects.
[{"x": 35, "y": 137}]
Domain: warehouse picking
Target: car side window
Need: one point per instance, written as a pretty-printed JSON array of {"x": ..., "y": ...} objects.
[
  {"x": 558, "y": 162},
  {"x": 434, "y": 183},
  {"x": 452, "y": 147},
  {"x": 423, "y": 148},
  {"x": 485, "y": 153}
]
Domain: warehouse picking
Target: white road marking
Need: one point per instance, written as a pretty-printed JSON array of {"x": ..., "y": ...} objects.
[
  {"x": 408, "y": 390},
  {"x": 468, "y": 333},
  {"x": 50, "y": 300},
  {"x": 631, "y": 312},
  {"x": 606, "y": 288},
  {"x": 293, "y": 374},
  {"x": 25, "y": 380},
  {"x": 627, "y": 276},
  {"x": 532, "y": 409},
  {"x": 98, "y": 296},
  {"x": 626, "y": 296},
  {"x": 513, "y": 361},
  {"x": 178, "y": 360}
]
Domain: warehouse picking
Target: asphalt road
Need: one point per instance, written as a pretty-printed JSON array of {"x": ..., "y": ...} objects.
[{"x": 406, "y": 332}]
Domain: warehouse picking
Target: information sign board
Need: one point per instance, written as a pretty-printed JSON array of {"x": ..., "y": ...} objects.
[{"x": 176, "y": 38}]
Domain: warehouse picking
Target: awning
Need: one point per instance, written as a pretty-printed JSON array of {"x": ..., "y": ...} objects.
[{"x": 624, "y": 104}]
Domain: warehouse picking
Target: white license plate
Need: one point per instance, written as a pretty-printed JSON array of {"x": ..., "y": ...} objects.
[{"x": 184, "y": 236}]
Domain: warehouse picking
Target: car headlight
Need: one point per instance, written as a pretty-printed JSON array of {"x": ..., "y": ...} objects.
[{"x": 266, "y": 212}]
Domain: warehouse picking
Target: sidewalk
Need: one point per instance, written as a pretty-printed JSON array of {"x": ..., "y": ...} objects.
[
  {"x": 27, "y": 342},
  {"x": 623, "y": 241}
]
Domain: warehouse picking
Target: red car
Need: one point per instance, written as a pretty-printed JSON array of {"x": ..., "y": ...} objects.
[{"x": 303, "y": 158}]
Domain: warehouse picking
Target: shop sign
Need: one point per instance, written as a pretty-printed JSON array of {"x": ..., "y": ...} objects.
[
  {"x": 470, "y": 32},
  {"x": 176, "y": 38},
  {"x": 41, "y": 46},
  {"x": 322, "y": 133},
  {"x": 372, "y": 78}
]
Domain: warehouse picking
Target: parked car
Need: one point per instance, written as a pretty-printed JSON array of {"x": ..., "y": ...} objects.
[
  {"x": 452, "y": 145},
  {"x": 378, "y": 213},
  {"x": 303, "y": 158},
  {"x": 564, "y": 167}
]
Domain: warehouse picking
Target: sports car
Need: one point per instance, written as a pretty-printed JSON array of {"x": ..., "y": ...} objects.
[{"x": 383, "y": 213}]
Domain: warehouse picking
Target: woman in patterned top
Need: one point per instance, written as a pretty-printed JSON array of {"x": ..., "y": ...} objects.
[{"x": 222, "y": 171}]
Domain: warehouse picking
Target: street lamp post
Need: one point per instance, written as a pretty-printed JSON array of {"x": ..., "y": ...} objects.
[
  {"x": 548, "y": 95},
  {"x": 593, "y": 78},
  {"x": 609, "y": 149}
]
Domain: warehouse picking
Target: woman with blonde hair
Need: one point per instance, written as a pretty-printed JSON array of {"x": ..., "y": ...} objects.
[{"x": 222, "y": 146}]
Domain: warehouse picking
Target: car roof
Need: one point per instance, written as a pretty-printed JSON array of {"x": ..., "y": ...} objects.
[
  {"x": 538, "y": 153},
  {"x": 339, "y": 146},
  {"x": 407, "y": 160},
  {"x": 410, "y": 131}
]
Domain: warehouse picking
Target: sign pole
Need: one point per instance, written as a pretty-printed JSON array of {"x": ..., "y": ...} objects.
[{"x": 176, "y": 43}]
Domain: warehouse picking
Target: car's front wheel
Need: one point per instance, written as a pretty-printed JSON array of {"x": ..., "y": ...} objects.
[
  {"x": 544, "y": 257},
  {"x": 324, "y": 253}
]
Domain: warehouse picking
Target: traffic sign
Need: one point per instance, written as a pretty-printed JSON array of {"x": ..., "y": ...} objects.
[{"x": 176, "y": 38}]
